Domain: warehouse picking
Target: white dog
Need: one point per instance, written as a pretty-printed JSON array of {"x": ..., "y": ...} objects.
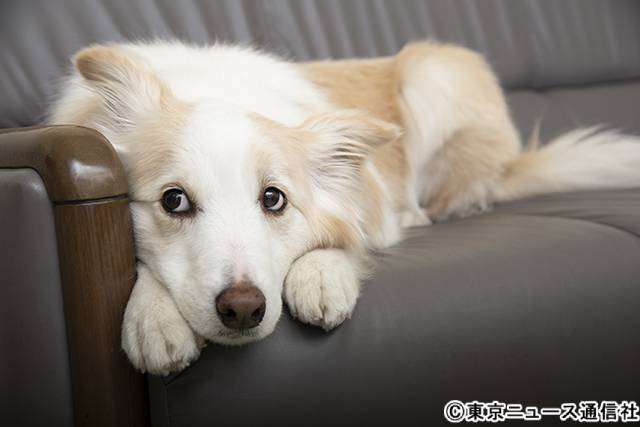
[{"x": 252, "y": 178}]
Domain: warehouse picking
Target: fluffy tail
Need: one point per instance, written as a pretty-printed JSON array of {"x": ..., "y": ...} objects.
[{"x": 583, "y": 159}]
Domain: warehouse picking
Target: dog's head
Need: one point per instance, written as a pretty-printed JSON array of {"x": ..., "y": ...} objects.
[{"x": 224, "y": 200}]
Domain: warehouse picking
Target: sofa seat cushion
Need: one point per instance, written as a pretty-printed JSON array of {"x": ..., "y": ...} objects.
[{"x": 536, "y": 303}]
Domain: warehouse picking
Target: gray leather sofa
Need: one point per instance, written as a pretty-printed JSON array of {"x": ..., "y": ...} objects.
[{"x": 537, "y": 302}]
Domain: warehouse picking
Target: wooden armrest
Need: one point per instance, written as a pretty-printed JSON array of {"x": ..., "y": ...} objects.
[
  {"x": 87, "y": 186},
  {"x": 75, "y": 163}
]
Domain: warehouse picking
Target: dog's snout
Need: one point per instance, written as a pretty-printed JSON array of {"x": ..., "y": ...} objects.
[{"x": 241, "y": 306}]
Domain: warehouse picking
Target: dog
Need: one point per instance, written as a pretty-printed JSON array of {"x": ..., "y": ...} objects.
[{"x": 254, "y": 179}]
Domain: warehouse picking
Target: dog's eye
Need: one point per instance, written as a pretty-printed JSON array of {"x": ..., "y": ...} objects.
[
  {"x": 273, "y": 199},
  {"x": 174, "y": 200}
]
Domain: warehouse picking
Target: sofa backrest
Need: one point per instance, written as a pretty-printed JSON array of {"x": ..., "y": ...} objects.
[{"x": 535, "y": 46}]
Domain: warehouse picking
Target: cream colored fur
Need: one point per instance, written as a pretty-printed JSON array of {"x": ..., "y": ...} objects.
[{"x": 362, "y": 148}]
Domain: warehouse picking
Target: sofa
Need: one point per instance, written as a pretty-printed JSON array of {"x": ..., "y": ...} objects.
[{"x": 535, "y": 303}]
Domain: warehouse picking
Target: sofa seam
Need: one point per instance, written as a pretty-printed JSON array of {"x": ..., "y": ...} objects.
[{"x": 601, "y": 224}]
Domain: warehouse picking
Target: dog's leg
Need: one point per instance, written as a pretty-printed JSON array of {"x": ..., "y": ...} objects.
[
  {"x": 322, "y": 287},
  {"x": 468, "y": 168},
  {"x": 155, "y": 336},
  {"x": 459, "y": 135}
]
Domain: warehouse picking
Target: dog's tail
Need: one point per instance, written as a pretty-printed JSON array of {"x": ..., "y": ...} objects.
[{"x": 583, "y": 159}]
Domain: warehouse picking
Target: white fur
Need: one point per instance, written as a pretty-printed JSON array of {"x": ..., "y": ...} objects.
[
  {"x": 322, "y": 287},
  {"x": 583, "y": 159},
  {"x": 207, "y": 144},
  {"x": 446, "y": 93},
  {"x": 229, "y": 239},
  {"x": 237, "y": 75},
  {"x": 155, "y": 336},
  {"x": 210, "y": 156}
]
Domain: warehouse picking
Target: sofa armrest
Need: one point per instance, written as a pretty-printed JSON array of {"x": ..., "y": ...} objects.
[
  {"x": 87, "y": 187},
  {"x": 75, "y": 163}
]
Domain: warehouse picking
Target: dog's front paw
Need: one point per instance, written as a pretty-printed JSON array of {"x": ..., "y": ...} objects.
[
  {"x": 322, "y": 288},
  {"x": 158, "y": 342},
  {"x": 155, "y": 336}
]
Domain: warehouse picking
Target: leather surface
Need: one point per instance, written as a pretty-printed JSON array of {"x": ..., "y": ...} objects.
[
  {"x": 34, "y": 370},
  {"x": 558, "y": 110},
  {"x": 532, "y": 44},
  {"x": 535, "y": 303}
]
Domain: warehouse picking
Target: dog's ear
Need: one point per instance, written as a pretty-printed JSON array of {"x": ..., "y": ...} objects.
[
  {"x": 126, "y": 85},
  {"x": 336, "y": 147},
  {"x": 353, "y": 129},
  {"x": 344, "y": 139}
]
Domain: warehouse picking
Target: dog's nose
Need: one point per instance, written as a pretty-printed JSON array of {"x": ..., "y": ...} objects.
[{"x": 241, "y": 306}]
